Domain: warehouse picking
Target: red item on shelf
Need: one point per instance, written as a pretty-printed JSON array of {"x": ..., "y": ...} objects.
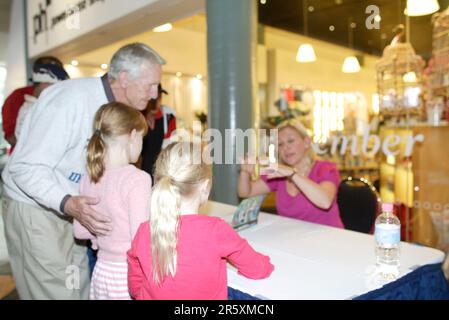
[
  {"x": 400, "y": 210},
  {"x": 289, "y": 94}
]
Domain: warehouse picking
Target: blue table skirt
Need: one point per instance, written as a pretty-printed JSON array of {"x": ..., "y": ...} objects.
[
  {"x": 234, "y": 294},
  {"x": 425, "y": 283}
]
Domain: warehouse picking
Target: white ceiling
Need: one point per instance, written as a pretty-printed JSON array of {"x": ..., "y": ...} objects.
[
  {"x": 187, "y": 36},
  {"x": 161, "y": 12}
]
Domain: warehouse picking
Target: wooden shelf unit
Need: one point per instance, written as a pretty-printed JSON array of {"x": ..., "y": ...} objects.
[{"x": 420, "y": 182}]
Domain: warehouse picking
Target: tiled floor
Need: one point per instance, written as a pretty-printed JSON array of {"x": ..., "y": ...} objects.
[{"x": 6, "y": 286}]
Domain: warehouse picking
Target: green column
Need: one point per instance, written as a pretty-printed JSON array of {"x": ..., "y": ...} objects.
[{"x": 232, "y": 51}]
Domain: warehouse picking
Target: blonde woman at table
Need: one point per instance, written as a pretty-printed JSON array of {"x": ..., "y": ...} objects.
[
  {"x": 305, "y": 188},
  {"x": 180, "y": 254}
]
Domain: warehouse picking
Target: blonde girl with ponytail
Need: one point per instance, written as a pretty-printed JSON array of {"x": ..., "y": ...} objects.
[
  {"x": 123, "y": 192},
  {"x": 180, "y": 254}
]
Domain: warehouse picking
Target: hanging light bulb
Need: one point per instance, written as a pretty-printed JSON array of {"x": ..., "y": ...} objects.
[
  {"x": 351, "y": 65},
  {"x": 421, "y": 8},
  {"x": 306, "y": 53},
  {"x": 417, "y": 8}
]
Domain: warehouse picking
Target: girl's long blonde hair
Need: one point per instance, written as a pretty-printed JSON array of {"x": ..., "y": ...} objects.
[
  {"x": 176, "y": 176},
  {"x": 111, "y": 120}
]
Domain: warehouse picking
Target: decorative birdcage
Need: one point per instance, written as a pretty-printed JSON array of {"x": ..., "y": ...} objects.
[
  {"x": 439, "y": 67},
  {"x": 399, "y": 81}
]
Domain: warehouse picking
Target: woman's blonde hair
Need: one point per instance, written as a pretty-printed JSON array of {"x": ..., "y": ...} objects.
[
  {"x": 111, "y": 120},
  {"x": 296, "y": 125},
  {"x": 176, "y": 176}
]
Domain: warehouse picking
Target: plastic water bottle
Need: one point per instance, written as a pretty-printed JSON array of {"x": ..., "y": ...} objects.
[{"x": 388, "y": 239}]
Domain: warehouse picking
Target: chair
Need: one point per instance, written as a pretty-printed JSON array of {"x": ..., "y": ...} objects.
[{"x": 359, "y": 204}]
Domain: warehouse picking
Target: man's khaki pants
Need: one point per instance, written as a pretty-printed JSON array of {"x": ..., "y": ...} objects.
[{"x": 46, "y": 262}]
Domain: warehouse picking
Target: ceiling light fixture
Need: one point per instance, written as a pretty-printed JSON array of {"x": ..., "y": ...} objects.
[
  {"x": 75, "y": 63},
  {"x": 104, "y": 66},
  {"x": 305, "y": 53},
  {"x": 417, "y": 8},
  {"x": 351, "y": 63},
  {"x": 163, "y": 28}
]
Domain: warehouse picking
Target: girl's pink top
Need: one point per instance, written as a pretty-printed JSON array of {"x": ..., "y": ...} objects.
[
  {"x": 299, "y": 207},
  {"x": 205, "y": 246},
  {"x": 124, "y": 195}
]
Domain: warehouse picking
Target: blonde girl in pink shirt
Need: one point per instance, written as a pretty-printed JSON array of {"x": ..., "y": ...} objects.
[
  {"x": 123, "y": 192},
  {"x": 180, "y": 254}
]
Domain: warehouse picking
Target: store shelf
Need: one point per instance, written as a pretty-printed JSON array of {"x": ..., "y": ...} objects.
[
  {"x": 359, "y": 168},
  {"x": 442, "y": 123}
]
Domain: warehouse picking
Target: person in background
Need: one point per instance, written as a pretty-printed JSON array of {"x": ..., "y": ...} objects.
[
  {"x": 16, "y": 99},
  {"x": 41, "y": 178},
  {"x": 124, "y": 193},
  {"x": 305, "y": 189},
  {"x": 44, "y": 75},
  {"x": 161, "y": 122},
  {"x": 180, "y": 254}
]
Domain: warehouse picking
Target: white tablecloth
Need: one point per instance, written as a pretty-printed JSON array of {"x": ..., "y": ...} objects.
[{"x": 314, "y": 261}]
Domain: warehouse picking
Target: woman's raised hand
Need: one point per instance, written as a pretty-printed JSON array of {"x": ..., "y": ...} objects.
[{"x": 248, "y": 165}]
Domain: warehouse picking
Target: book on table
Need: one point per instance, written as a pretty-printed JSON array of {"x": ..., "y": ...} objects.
[{"x": 247, "y": 213}]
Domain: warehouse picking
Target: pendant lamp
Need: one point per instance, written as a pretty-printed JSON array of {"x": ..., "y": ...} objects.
[
  {"x": 305, "y": 53},
  {"x": 417, "y": 8},
  {"x": 351, "y": 63}
]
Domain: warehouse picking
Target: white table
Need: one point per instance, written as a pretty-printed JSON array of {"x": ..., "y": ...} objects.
[{"x": 314, "y": 261}]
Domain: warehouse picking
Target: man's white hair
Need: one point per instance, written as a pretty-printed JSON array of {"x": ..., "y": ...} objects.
[{"x": 131, "y": 58}]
